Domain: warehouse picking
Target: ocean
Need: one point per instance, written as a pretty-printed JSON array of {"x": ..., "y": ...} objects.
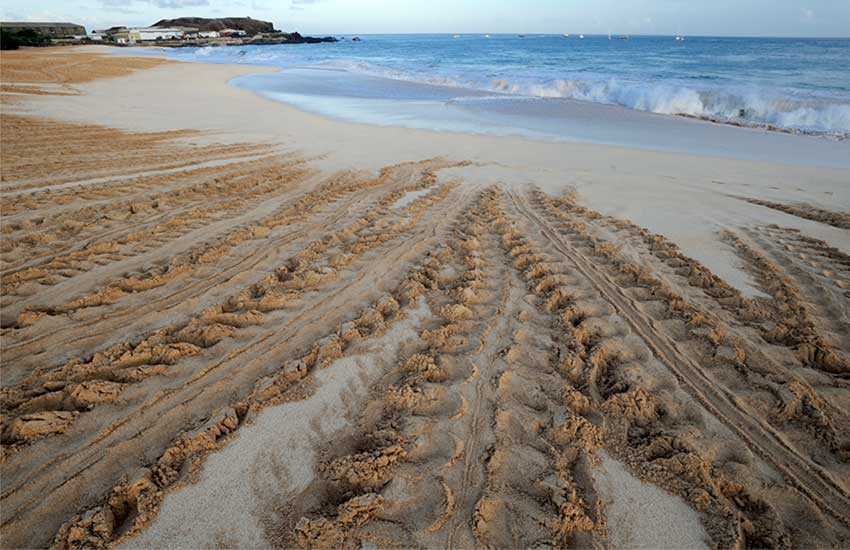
[{"x": 540, "y": 86}]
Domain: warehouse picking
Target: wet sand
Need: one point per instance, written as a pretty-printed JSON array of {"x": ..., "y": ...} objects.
[{"x": 465, "y": 340}]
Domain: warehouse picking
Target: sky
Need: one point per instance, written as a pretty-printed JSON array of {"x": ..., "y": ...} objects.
[{"x": 810, "y": 18}]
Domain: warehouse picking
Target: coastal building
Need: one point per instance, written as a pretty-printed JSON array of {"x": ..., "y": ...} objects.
[
  {"x": 232, "y": 32},
  {"x": 209, "y": 34},
  {"x": 46, "y": 29},
  {"x": 152, "y": 34},
  {"x": 120, "y": 35}
]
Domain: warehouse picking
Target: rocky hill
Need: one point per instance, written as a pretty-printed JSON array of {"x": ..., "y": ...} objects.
[
  {"x": 250, "y": 26},
  {"x": 272, "y": 39}
]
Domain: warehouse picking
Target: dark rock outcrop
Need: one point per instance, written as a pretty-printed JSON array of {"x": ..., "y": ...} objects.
[
  {"x": 250, "y": 26},
  {"x": 286, "y": 38}
]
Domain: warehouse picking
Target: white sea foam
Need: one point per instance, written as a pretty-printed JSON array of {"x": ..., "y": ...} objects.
[{"x": 747, "y": 107}]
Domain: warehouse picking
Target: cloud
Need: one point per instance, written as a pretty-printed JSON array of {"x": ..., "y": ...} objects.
[
  {"x": 300, "y": 5},
  {"x": 176, "y": 4},
  {"x": 118, "y": 6},
  {"x": 43, "y": 15},
  {"x": 12, "y": 16},
  {"x": 125, "y": 6}
]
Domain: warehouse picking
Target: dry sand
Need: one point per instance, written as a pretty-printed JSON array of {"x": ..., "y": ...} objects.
[
  {"x": 642, "y": 516},
  {"x": 214, "y": 330}
]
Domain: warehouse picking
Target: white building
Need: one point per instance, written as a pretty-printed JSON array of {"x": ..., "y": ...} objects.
[
  {"x": 208, "y": 34},
  {"x": 233, "y": 32},
  {"x": 155, "y": 33}
]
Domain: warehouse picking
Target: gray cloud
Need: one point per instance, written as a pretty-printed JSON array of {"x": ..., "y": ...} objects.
[
  {"x": 126, "y": 6},
  {"x": 300, "y": 5},
  {"x": 175, "y": 4}
]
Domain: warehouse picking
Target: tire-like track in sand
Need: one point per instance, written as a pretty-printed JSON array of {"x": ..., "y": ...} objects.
[
  {"x": 758, "y": 435},
  {"x": 159, "y": 295}
]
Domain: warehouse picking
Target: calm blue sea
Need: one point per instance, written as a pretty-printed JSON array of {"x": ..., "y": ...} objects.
[{"x": 799, "y": 84}]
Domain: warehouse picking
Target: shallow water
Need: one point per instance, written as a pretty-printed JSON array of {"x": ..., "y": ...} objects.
[
  {"x": 376, "y": 100},
  {"x": 801, "y": 84}
]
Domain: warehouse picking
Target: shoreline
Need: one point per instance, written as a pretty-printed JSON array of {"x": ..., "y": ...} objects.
[
  {"x": 708, "y": 121},
  {"x": 585, "y": 168},
  {"x": 587, "y": 123},
  {"x": 548, "y": 120},
  {"x": 720, "y": 93}
]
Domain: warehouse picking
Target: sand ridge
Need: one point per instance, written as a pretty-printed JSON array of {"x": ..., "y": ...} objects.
[{"x": 55, "y": 71}]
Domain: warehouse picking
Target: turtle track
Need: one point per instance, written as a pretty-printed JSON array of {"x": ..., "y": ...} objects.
[
  {"x": 485, "y": 431},
  {"x": 821, "y": 272},
  {"x": 48, "y": 401},
  {"x": 329, "y": 276},
  {"x": 612, "y": 276},
  {"x": 130, "y": 505},
  {"x": 41, "y": 153},
  {"x": 460, "y": 445},
  {"x": 732, "y": 333},
  {"x": 795, "y": 318},
  {"x": 285, "y": 227},
  {"x": 805, "y": 211},
  {"x": 162, "y": 221}
]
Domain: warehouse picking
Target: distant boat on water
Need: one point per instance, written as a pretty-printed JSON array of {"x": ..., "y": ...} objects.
[
  {"x": 680, "y": 38},
  {"x": 487, "y": 36},
  {"x": 581, "y": 36},
  {"x": 456, "y": 36}
]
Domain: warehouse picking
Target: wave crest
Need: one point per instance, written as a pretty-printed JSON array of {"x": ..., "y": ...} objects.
[{"x": 748, "y": 108}]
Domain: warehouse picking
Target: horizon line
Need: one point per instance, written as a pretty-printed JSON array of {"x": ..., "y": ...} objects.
[{"x": 589, "y": 34}]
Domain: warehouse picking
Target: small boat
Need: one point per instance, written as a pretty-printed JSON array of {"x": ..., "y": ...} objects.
[
  {"x": 680, "y": 38},
  {"x": 566, "y": 35},
  {"x": 522, "y": 36},
  {"x": 581, "y": 36},
  {"x": 487, "y": 36},
  {"x": 609, "y": 36},
  {"x": 456, "y": 36}
]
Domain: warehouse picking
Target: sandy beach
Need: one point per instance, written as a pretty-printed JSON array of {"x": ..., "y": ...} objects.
[{"x": 230, "y": 323}]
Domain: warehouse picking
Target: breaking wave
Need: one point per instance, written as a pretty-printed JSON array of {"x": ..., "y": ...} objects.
[
  {"x": 750, "y": 108},
  {"x": 746, "y": 108}
]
